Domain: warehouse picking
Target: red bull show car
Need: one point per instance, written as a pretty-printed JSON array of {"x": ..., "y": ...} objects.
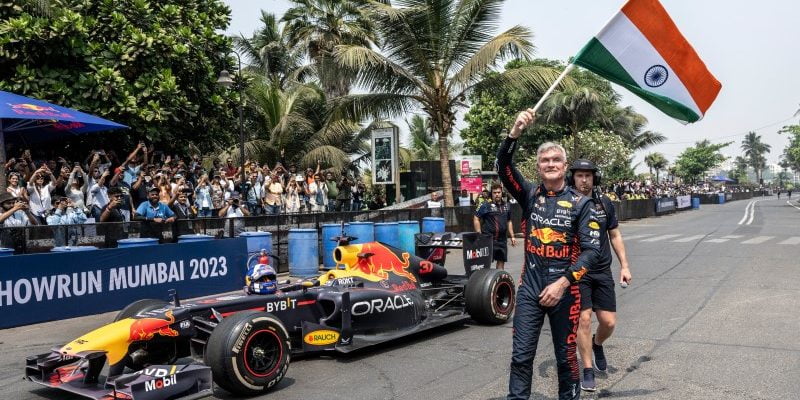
[{"x": 160, "y": 350}]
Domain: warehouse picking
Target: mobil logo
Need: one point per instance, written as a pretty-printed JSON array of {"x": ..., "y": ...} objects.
[
  {"x": 548, "y": 235},
  {"x": 477, "y": 253},
  {"x": 160, "y": 383}
]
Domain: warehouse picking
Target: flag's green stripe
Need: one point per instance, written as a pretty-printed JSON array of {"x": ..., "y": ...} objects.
[{"x": 596, "y": 58}]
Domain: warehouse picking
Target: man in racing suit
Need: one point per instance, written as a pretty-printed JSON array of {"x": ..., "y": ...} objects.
[{"x": 558, "y": 224}]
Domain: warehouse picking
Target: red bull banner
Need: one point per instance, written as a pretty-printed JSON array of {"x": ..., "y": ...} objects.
[{"x": 54, "y": 286}]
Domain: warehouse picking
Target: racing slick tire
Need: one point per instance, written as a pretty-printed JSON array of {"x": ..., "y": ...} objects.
[
  {"x": 248, "y": 352},
  {"x": 490, "y": 296},
  {"x": 139, "y": 306},
  {"x": 156, "y": 353}
]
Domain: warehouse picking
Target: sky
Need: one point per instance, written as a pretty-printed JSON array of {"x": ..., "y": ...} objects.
[{"x": 751, "y": 48}]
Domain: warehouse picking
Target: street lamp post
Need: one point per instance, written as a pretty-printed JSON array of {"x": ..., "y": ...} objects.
[{"x": 225, "y": 81}]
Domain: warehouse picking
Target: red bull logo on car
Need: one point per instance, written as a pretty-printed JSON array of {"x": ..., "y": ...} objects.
[
  {"x": 38, "y": 111},
  {"x": 374, "y": 261},
  {"x": 146, "y": 328}
]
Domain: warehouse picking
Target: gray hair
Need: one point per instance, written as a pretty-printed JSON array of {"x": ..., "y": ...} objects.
[{"x": 547, "y": 146}]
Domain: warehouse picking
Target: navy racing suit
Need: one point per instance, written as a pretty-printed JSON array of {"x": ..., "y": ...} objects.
[{"x": 560, "y": 231}]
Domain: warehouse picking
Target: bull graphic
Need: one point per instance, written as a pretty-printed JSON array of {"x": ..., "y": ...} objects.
[
  {"x": 549, "y": 235},
  {"x": 376, "y": 260},
  {"x": 144, "y": 329}
]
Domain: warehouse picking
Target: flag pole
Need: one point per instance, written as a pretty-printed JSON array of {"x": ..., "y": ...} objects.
[{"x": 553, "y": 87}]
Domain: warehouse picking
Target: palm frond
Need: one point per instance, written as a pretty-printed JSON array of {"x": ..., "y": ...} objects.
[
  {"x": 533, "y": 79},
  {"x": 376, "y": 73},
  {"x": 514, "y": 42},
  {"x": 375, "y": 105}
]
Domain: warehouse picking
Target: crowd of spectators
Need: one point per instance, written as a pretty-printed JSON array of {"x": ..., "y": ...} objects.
[
  {"x": 157, "y": 189},
  {"x": 647, "y": 189}
]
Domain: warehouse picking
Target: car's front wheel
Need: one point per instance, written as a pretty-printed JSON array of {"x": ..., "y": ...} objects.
[
  {"x": 490, "y": 296},
  {"x": 248, "y": 352}
]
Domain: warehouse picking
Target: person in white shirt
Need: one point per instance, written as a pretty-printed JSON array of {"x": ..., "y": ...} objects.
[
  {"x": 75, "y": 191},
  {"x": 233, "y": 209},
  {"x": 435, "y": 201},
  {"x": 39, "y": 193},
  {"x": 14, "y": 212},
  {"x": 99, "y": 192},
  {"x": 464, "y": 200}
]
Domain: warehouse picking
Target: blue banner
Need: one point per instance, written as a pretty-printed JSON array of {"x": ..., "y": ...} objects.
[{"x": 51, "y": 286}]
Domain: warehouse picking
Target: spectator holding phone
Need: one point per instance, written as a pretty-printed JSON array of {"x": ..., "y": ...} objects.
[
  {"x": 111, "y": 213},
  {"x": 39, "y": 193},
  {"x": 65, "y": 213},
  {"x": 154, "y": 215},
  {"x": 77, "y": 186},
  {"x": 233, "y": 209},
  {"x": 133, "y": 164}
]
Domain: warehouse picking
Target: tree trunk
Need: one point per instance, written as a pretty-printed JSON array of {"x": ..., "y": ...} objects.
[{"x": 444, "y": 158}]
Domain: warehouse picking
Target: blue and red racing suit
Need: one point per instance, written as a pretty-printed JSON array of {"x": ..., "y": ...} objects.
[{"x": 559, "y": 241}]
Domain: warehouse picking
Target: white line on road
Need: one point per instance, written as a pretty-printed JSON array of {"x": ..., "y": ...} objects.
[
  {"x": 658, "y": 238},
  {"x": 717, "y": 240},
  {"x": 746, "y": 212},
  {"x": 790, "y": 203},
  {"x": 758, "y": 239},
  {"x": 791, "y": 240},
  {"x": 631, "y": 237},
  {"x": 689, "y": 239},
  {"x": 733, "y": 236}
]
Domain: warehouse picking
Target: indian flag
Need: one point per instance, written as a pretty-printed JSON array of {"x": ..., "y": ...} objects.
[{"x": 642, "y": 50}]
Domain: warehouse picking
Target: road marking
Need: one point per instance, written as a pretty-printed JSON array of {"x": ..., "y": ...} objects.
[
  {"x": 733, "y": 236},
  {"x": 758, "y": 239},
  {"x": 790, "y": 203},
  {"x": 791, "y": 240},
  {"x": 689, "y": 239},
  {"x": 631, "y": 237},
  {"x": 746, "y": 212},
  {"x": 716, "y": 240},
  {"x": 658, "y": 238}
]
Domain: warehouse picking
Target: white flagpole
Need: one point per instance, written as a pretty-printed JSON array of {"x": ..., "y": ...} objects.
[{"x": 553, "y": 87}]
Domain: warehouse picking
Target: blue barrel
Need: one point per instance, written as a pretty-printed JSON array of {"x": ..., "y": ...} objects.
[
  {"x": 194, "y": 238},
  {"x": 330, "y": 231},
  {"x": 695, "y": 202},
  {"x": 68, "y": 249},
  {"x": 256, "y": 241},
  {"x": 405, "y": 233},
  {"x": 363, "y": 231},
  {"x": 5, "y": 251},
  {"x": 136, "y": 242},
  {"x": 303, "y": 252},
  {"x": 721, "y": 198},
  {"x": 433, "y": 224},
  {"x": 388, "y": 233}
]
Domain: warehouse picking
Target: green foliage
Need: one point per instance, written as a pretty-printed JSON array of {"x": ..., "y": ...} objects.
[
  {"x": 754, "y": 150},
  {"x": 149, "y": 65},
  {"x": 602, "y": 147},
  {"x": 695, "y": 161},
  {"x": 657, "y": 162},
  {"x": 739, "y": 171},
  {"x": 791, "y": 154}
]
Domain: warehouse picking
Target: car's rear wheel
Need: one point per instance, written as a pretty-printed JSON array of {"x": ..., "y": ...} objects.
[
  {"x": 490, "y": 296},
  {"x": 248, "y": 352}
]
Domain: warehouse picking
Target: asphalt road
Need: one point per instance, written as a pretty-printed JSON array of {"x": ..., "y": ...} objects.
[{"x": 711, "y": 314}]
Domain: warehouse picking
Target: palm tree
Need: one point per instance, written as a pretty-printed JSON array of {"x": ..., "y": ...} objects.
[
  {"x": 754, "y": 149},
  {"x": 423, "y": 144},
  {"x": 657, "y": 162},
  {"x": 740, "y": 165},
  {"x": 433, "y": 55},
  {"x": 269, "y": 54},
  {"x": 574, "y": 108},
  {"x": 628, "y": 124},
  {"x": 318, "y": 26}
]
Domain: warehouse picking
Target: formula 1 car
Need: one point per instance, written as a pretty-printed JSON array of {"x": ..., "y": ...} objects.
[{"x": 245, "y": 341}]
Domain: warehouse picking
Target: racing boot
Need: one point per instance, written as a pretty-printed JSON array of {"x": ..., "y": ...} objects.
[
  {"x": 587, "y": 383},
  {"x": 599, "y": 357}
]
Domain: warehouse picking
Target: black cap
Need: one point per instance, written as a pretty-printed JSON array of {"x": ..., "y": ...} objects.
[
  {"x": 154, "y": 189},
  {"x": 583, "y": 164}
]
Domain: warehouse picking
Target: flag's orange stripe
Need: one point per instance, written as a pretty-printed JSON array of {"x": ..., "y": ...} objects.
[{"x": 656, "y": 25}]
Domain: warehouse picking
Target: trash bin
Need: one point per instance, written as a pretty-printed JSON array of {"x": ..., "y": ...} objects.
[
  {"x": 695, "y": 202},
  {"x": 257, "y": 241},
  {"x": 136, "y": 242},
  {"x": 433, "y": 224},
  {"x": 69, "y": 249},
  {"x": 387, "y": 233},
  {"x": 405, "y": 234},
  {"x": 194, "y": 238},
  {"x": 303, "y": 252},
  {"x": 330, "y": 231},
  {"x": 364, "y": 232}
]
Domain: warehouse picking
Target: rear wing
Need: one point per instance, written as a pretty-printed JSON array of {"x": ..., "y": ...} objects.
[{"x": 477, "y": 248}]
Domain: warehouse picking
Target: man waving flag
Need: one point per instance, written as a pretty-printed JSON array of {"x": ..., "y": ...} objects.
[{"x": 642, "y": 50}]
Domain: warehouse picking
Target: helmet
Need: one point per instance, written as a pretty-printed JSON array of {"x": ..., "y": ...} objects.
[{"x": 261, "y": 279}]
